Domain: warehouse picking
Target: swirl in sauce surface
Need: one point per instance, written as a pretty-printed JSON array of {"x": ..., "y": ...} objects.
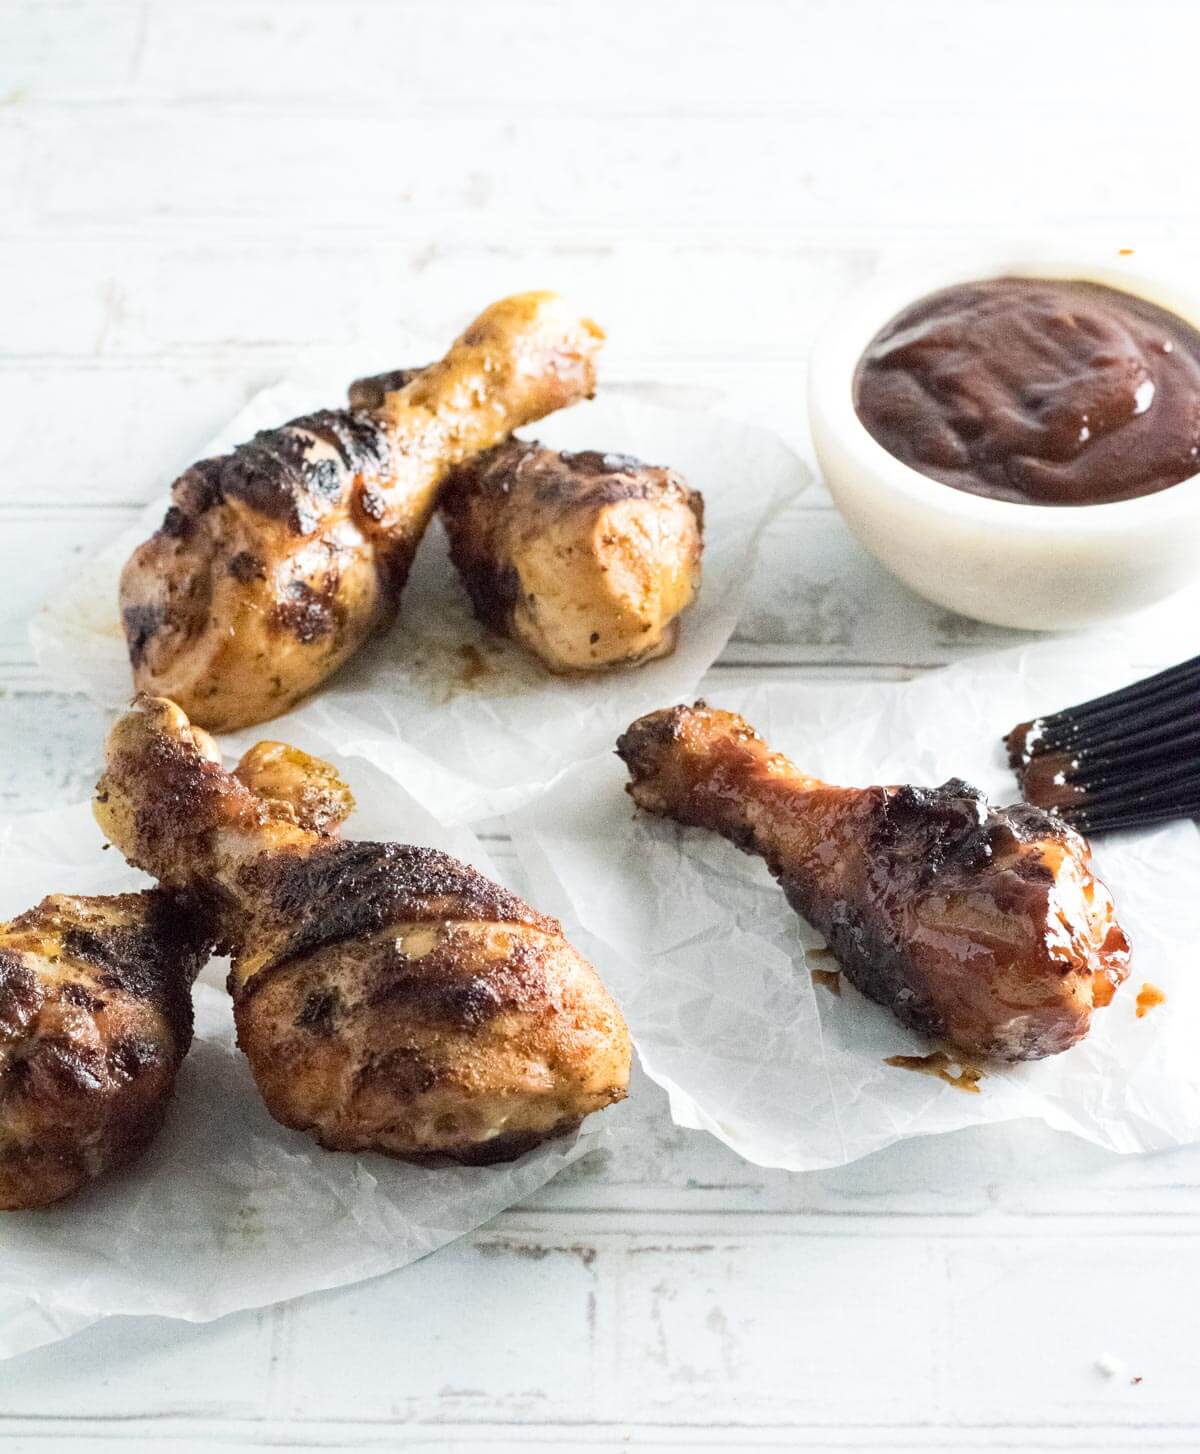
[{"x": 1036, "y": 391}]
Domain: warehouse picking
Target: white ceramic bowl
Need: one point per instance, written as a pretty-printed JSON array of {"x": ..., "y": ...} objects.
[{"x": 1042, "y": 567}]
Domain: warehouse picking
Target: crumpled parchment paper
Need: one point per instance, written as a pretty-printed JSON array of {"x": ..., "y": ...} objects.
[
  {"x": 472, "y": 723},
  {"x": 227, "y": 1209},
  {"x": 713, "y": 969}
]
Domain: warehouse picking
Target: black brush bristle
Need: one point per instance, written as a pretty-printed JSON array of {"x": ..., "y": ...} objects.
[{"x": 1127, "y": 759}]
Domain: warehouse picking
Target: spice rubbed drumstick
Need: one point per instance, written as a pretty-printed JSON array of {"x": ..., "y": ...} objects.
[
  {"x": 586, "y": 559},
  {"x": 95, "y": 1019},
  {"x": 388, "y": 998},
  {"x": 276, "y": 562},
  {"x": 984, "y": 926}
]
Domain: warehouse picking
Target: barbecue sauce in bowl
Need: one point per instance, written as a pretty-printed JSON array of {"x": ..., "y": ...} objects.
[{"x": 1036, "y": 391}]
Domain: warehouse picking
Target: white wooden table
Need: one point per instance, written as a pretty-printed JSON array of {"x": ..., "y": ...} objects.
[{"x": 198, "y": 194}]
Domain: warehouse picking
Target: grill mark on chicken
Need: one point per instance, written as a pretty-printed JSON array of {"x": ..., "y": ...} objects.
[
  {"x": 586, "y": 477},
  {"x": 134, "y": 1055},
  {"x": 356, "y": 434},
  {"x": 981, "y": 925},
  {"x": 345, "y": 890},
  {"x": 308, "y": 612},
  {"x": 274, "y": 474},
  {"x": 19, "y": 998},
  {"x": 135, "y": 954},
  {"x": 60, "y": 1066},
  {"x": 431, "y": 988},
  {"x": 77, "y": 994},
  {"x": 404, "y": 1074},
  {"x": 319, "y": 1013},
  {"x": 177, "y": 523},
  {"x": 247, "y": 567},
  {"x": 434, "y": 990},
  {"x": 139, "y": 959},
  {"x": 468, "y": 1002},
  {"x": 140, "y": 623}
]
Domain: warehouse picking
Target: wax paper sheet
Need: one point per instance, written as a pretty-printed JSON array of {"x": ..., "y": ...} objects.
[
  {"x": 714, "y": 971},
  {"x": 227, "y": 1209},
  {"x": 473, "y": 724}
]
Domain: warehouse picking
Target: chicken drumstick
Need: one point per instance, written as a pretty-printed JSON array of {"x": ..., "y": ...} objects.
[
  {"x": 276, "y": 562},
  {"x": 586, "y": 559},
  {"x": 95, "y": 1019},
  {"x": 982, "y": 926},
  {"x": 388, "y": 998}
]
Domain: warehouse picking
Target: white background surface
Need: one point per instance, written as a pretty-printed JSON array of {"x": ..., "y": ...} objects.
[{"x": 198, "y": 192}]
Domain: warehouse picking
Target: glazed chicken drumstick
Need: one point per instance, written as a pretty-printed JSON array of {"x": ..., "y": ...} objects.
[
  {"x": 276, "y": 562},
  {"x": 982, "y": 926},
  {"x": 388, "y": 998},
  {"x": 95, "y": 1019}
]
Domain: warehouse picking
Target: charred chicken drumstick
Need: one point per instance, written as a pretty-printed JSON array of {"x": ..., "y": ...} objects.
[
  {"x": 95, "y": 1019},
  {"x": 983, "y": 926},
  {"x": 586, "y": 559},
  {"x": 276, "y": 562},
  {"x": 388, "y": 998}
]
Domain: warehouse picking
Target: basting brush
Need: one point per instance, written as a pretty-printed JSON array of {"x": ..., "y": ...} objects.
[{"x": 1124, "y": 760}]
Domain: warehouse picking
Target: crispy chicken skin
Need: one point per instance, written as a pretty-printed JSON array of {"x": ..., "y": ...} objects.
[
  {"x": 95, "y": 1019},
  {"x": 388, "y": 998},
  {"x": 981, "y": 926},
  {"x": 276, "y": 562},
  {"x": 586, "y": 559}
]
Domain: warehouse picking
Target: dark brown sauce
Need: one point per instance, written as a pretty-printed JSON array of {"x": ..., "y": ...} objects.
[
  {"x": 1036, "y": 391},
  {"x": 830, "y": 979},
  {"x": 943, "y": 1067}
]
